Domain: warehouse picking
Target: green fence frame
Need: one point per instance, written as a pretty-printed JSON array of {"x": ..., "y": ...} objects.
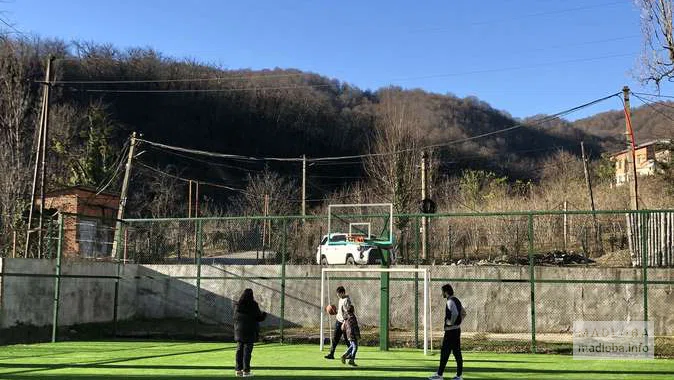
[{"x": 283, "y": 278}]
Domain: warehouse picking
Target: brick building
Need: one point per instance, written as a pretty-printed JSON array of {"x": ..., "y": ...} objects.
[{"x": 88, "y": 222}]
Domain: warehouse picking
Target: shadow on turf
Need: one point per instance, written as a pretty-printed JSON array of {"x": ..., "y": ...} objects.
[{"x": 227, "y": 371}]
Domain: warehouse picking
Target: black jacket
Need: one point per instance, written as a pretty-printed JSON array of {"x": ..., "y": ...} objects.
[{"x": 247, "y": 320}]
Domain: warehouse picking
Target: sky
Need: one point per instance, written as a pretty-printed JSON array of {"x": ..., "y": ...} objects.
[{"x": 524, "y": 57}]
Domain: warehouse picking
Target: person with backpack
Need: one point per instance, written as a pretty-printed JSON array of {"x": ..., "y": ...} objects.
[
  {"x": 247, "y": 318},
  {"x": 451, "y": 342}
]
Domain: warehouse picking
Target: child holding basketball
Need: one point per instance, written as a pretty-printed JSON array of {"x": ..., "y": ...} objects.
[{"x": 352, "y": 334}]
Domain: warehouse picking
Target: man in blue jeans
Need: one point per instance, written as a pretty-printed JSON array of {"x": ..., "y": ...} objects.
[
  {"x": 342, "y": 315},
  {"x": 451, "y": 342}
]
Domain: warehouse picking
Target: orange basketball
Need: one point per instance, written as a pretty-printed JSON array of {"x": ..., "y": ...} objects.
[{"x": 331, "y": 309}]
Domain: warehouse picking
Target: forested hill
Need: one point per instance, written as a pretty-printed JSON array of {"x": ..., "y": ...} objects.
[
  {"x": 290, "y": 113},
  {"x": 650, "y": 121},
  {"x": 101, "y": 94}
]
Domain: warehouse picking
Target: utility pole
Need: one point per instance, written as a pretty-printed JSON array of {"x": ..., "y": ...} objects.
[
  {"x": 424, "y": 219},
  {"x": 304, "y": 187},
  {"x": 189, "y": 202},
  {"x": 588, "y": 182},
  {"x": 38, "y": 153},
  {"x": 122, "y": 197},
  {"x": 631, "y": 156},
  {"x": 45, "y": 135}
]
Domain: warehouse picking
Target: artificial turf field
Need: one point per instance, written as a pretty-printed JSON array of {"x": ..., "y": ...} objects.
[{"x": 210, "y": 361}]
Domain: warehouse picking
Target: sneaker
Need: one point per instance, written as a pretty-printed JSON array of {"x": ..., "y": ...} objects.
[
  {"x": 247, "y": 374},
  {"x": 343, "y": 359},
  {"x": 329, "y": 356},
  {"x": 435, "y": 377},
  {"x": 457, "y": 378},
  {"x": 238, "y": 373},
  {"x": 352, "y": 363}
]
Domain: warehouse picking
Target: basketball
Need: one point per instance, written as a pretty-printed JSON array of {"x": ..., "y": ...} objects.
[{"x": 331, "y": 309}]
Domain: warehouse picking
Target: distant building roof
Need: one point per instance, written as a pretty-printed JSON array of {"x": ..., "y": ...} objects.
[{"x": 644, "y": 145}]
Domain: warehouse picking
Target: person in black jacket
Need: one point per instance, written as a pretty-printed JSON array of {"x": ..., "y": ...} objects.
[
  {"x": 247, "y": 318},
  {"x": 451, "y": 342}
]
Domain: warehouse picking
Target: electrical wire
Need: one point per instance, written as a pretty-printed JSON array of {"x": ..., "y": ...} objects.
[
  {"x": 361, "y": 156},
  {"x": 648, "y": 103}
]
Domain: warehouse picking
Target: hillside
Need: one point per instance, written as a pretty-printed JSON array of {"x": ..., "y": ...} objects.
[
  {"x": 650, "y": 122},
  {"x": 101, "y": 94}
]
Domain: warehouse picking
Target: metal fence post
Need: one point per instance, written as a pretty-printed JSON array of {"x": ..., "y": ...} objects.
[
  {"x": 57, "y": 281},
  {"x": 199, "y": 251},
  {"x": 119, "y": 269},
  {"x": 416, "y": 284},
  {"x": 645, "y": 218},
  {"x": 532, "y": 283},
  {"x": 283, "y": 277}
]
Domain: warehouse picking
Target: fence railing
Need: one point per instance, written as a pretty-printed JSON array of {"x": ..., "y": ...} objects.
[{"x": 524, "y": 276}]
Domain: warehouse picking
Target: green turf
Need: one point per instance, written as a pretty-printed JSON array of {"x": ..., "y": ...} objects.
[{"x": 210, "y": 361}]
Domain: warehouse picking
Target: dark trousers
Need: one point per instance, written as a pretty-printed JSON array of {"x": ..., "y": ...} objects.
[
  {"x": 337, "y": 336},
  {"x": 451, "y": 344},
  {"x": 244, "y": 351}
]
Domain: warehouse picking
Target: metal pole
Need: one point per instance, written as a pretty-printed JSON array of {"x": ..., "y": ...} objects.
[
  {"x": 304, "y": 186},
  {"x": 566, "y": 225},
  {"x": 644, "y": 262},
  {"x": 283, "y": 276},
  {"x": 322, "y": 308},
  {"x": 426, "y": 307},
  {"x": 198, "y": 287},
  {"x": 424, "y": 220},
  {"x": 532, "y": 284},
  {"x": 57, "y": 282},
  {"x": 416, "y": 285},
  {"x": 43, "y": 166},
  {"x": 123, "y": 195}
]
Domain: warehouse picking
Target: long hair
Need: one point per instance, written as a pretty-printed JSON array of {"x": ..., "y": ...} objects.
[{"x": 246, "y": 298}]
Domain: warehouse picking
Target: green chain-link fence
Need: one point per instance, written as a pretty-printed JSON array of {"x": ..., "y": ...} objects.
[{"x": 524, "y": 277}]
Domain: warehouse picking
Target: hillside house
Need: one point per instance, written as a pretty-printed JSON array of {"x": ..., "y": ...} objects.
[
  {"x": 88, "y": 222},
  {"x": 649, "y": 158}
]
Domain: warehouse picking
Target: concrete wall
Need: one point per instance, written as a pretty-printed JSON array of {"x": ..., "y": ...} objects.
[
  {"x": 169, "y": 291},
  {"x": 29, "y": 299}
]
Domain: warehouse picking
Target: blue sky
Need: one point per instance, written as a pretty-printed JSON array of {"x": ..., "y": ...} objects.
[{"x": 525, "y": 57}]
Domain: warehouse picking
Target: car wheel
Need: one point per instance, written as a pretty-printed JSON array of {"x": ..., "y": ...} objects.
[
  {"x": 324, "y": 261},
  {"x": 350, "y": 261}
]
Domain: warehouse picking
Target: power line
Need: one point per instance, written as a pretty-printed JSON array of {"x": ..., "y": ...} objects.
[
  {"x": 291, "y": 87},
  {"x": 648, "y": 103},
  {"x": 206, "y": 90},
  {"x": 361, "y": 156},
  {"x": 187, "y": 179}
]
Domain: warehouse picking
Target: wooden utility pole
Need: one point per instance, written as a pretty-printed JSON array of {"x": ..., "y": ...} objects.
[
  {"x": 123, "y": 195},
  {"x": 39, "y": 154},
  {"x": 631, "y": 156},
  {"x": 304, "y": 187},
  {"x": 424, "y": 219},
  {"x": 588, "y": 183},
  {"x": 45, "y": 135}
]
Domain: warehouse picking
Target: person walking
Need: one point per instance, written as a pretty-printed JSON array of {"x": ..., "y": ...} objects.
[
  {"x": 344, "y": 303},
  {"x": 351, "y": 334},
  {"x": 451, "y": 342},
  {"x": 247, "y": 318}
]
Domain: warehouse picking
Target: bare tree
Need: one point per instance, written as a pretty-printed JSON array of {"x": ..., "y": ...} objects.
[{"x": 657, "y": 59}]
